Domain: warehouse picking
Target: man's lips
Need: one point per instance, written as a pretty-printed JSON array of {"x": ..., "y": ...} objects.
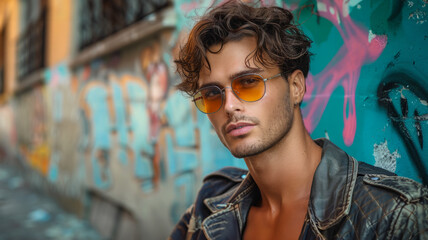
[{"x": 240, "y": 128}]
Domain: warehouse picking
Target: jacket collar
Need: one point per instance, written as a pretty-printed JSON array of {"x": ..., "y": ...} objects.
[
  {"x": 332, "y": 186},
  {"x": 331, "y": 191},
  {"x": 230, "y": 211},
  {"x": 243, "y": 192}
]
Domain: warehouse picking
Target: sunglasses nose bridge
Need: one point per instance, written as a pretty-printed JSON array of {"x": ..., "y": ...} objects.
[
  {"x": 235, "y": 93},
  {"x": 223, "y": 91},
  {"x": 231, "y": 100}
]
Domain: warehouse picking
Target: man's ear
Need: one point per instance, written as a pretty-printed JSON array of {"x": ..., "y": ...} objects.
[{"x": 297, "y": 84}]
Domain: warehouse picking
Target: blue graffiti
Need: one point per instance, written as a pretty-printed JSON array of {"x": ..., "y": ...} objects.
[
  {"x": 181, "y": 152},
  {"x": 143, "y": 150},
  {"x": 120, "y": 125},
  {"x": 96, "y": 100}
]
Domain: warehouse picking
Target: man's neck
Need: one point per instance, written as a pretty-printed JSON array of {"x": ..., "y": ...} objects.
[{"x": 284, "y": 173}]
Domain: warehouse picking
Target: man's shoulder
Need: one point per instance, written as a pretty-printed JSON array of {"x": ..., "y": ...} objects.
[
  {"x": 382, "y": 182},
  {"x": 392, "y": 201},
  {"x": 404, "y": 188},
  {"x": 393, "y": 206}
]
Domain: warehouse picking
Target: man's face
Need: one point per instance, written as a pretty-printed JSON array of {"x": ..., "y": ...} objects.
[{"x": 247, "y": 128}]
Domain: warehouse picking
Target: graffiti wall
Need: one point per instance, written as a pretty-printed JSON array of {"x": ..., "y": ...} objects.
[
  {"x": 116, "y": 133},
  {"x": 141, "y": 140},
  {"x": 367, "y": 87},
  {"x": 366, "y": 90}
]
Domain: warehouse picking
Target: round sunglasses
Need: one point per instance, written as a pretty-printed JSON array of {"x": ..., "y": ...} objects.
[{"x": 249, "y": 87}]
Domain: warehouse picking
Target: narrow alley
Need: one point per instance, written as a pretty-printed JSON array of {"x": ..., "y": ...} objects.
[{"x": 26, "y": 214}]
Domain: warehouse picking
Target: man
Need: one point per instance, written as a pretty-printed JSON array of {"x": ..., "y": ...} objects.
[{"x": 245, "y": 68}]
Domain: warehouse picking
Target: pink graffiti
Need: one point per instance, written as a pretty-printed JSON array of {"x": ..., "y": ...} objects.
[
  {"x": 157, "y": 76},
  {"x": 187, "y": 7},
  {"x": 343, "y": 70}
]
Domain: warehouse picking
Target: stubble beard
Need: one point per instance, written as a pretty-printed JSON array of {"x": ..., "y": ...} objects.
[{"x": 276, "y": 131}]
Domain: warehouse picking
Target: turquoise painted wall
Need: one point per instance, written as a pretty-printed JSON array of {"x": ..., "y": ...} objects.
[{"x": 368, "y": 85}]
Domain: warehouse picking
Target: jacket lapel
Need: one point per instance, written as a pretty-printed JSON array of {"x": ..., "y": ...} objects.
[
  {"x": 222, "y": 225},
  {"x": 332, "y": 186},
  {"x": 230, "y": 211}
]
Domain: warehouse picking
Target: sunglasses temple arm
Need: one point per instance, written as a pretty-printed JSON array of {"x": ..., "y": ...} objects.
[{"x": 277, "y": 75}]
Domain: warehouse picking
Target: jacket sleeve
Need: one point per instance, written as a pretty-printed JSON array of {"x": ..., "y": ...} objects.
[
  {"x": 411, "y": 221},
  {"x": 181, "y": 229}
]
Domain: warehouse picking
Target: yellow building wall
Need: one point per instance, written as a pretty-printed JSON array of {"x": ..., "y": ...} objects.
[
  {"x": 9, "y": 17},
  {"x": 59, "y": 31}
]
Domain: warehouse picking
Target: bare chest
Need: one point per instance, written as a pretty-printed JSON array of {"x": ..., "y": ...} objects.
[{"x": 286, "y": 225}]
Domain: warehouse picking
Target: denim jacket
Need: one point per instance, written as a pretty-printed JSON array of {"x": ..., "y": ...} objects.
[{"x": 349, "y": 200}]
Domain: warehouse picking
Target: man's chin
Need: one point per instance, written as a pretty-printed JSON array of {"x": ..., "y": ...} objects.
[{"x": 243, "y": 152}]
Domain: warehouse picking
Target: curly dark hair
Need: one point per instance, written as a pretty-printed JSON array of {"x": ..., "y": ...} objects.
[{"x": 276, "y": 33}]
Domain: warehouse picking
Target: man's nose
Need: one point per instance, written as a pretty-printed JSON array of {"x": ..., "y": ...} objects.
[{"x": 231, "y": 101}]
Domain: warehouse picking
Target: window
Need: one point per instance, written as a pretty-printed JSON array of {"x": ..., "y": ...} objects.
[
  {"x": 101, "y": 18},
  {"x": 31, "y": 43},
  {"x": 2, "y": 58}
]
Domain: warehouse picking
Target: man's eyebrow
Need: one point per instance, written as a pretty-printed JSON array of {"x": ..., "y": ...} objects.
[
  {"x": 247, "y": 71},
  {"x": 233, "y": 76},
  {"x": 209, "y": 84}
]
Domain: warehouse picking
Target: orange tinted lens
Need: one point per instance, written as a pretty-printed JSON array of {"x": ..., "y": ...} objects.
[
  {"x": 208, "y": 100},
  {"x": 249, "y": 88}
]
